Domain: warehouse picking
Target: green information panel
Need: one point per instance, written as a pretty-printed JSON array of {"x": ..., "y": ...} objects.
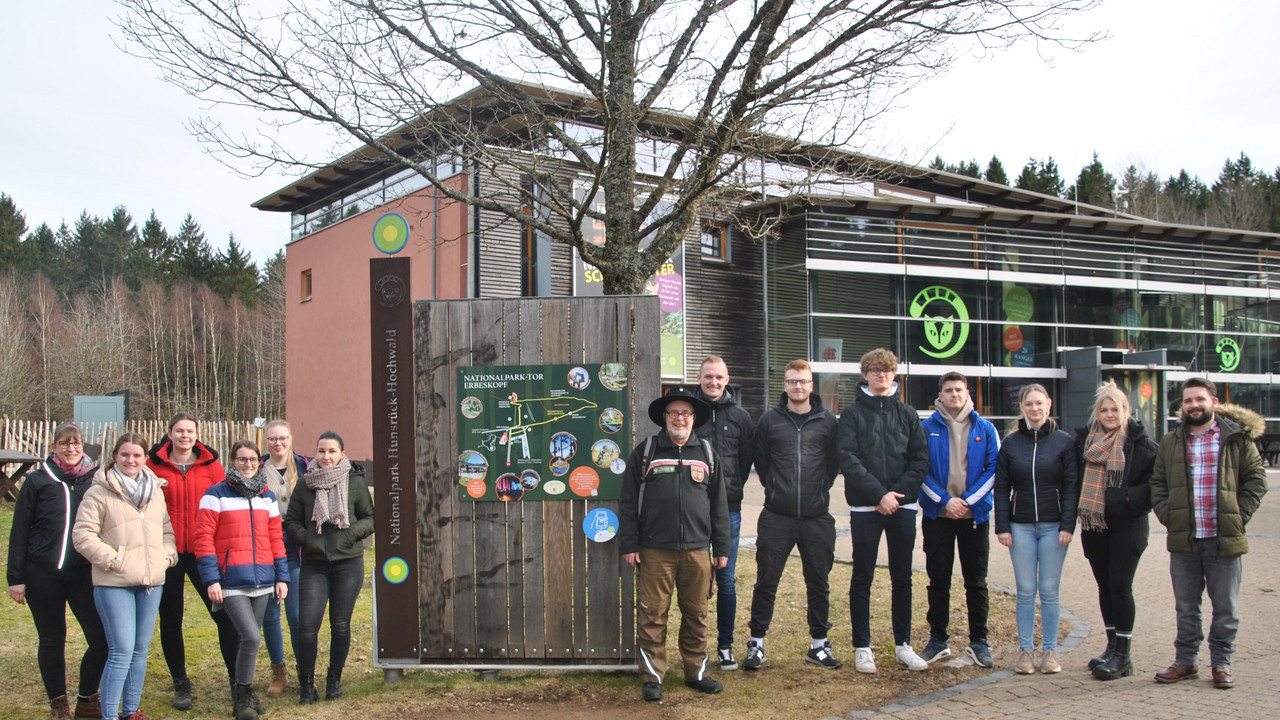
[{"x": 542, "y": 432}]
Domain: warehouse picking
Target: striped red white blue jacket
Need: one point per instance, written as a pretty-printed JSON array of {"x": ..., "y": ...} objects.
[{"x": 239, "y": 542}]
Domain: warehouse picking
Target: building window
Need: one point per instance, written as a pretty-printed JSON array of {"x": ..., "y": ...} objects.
[
  {"x": 715, "y": 242},
  {"x": 528, "y": 258},
  {"x": 306, "y": 286}
]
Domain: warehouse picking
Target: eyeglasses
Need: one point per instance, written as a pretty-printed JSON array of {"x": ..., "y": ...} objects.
[
  {"x": 797, "y": 382},
  {"x": 246, "y": 460},
  {"x": 64, "y": 444},
  {"x": 877, "y": 371},
  {"x": 682, "y": 414},
  {"x": 277, "y": 440}
]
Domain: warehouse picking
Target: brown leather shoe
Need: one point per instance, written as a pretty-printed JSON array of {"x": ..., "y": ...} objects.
[
  {"x": 1222, "y": 678},
  {"x": 1177, "y": 672}
]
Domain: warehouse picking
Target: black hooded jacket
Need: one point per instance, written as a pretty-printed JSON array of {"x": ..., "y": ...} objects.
[
  {"x": 730, "y": 433},
  {"x": 882, "y": 449},
  {"x": 1132, "y": 497},
  {"x": 795, "y": 457},
  {"x": 42, "y": 519},
  {"x": 1036, "y": 478}
]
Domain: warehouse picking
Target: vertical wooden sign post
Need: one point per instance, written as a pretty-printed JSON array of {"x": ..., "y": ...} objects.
[{"x": 395, "y": 575}]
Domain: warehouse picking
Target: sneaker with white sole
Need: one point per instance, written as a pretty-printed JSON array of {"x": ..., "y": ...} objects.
[
  {"x": 822, "y": 656},
  {"x": 980, "y": 654},
  {"x": 936, "y": 650},
  {"x": 908, "y": 657},
  {"x": 1026, "y": 663},
  {"x": 755, "y": 656},
  {"x": 864, "y": 661},
  {"x": 727, "y": 662},
  {"x": 1049, "y": 662}
]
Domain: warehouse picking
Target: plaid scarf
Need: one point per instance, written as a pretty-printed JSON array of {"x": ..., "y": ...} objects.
[
  {"x": 137, "y": 491},
  {"x": 330, "y": 486},
  {"x": 1103, "y": 468}
]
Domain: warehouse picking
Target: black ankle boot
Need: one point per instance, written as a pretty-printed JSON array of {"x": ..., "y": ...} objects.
[
  {"x": 1119, "y": 665},
  {"x": 1106, "y": 654},
  {"x": 306, "y": 688},
  {"x": 242, "y": 707},
  {"x": 182, "y": 693},
  {"x": 333, "y": 684}
]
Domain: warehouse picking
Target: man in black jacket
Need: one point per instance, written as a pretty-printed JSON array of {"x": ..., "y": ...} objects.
[
  {"x": 671, "y": 511},
  {"x": 795, "y": 457},
  {"x": 729, "y": 431},
  {"x": 884, "y": 457}
]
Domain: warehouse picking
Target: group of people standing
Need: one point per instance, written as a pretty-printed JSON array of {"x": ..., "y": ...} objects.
[
  {"x": 118, "y": 544},
  {"x": 953, "y": 477}
]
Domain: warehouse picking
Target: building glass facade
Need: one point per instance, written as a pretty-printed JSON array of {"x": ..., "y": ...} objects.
[{"x": 1000, "y": 305}]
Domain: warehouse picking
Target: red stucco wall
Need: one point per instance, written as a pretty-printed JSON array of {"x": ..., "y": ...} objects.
[{"x": 327, "y": 384}]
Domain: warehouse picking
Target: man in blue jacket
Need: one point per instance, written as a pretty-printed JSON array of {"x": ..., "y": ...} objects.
[{"x": 956, "y": 501}]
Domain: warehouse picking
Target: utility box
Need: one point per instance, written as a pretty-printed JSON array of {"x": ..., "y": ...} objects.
[{"x": 99, "y": 409}]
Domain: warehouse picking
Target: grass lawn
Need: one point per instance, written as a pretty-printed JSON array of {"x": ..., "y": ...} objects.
[{"x": 786, "y": 687}]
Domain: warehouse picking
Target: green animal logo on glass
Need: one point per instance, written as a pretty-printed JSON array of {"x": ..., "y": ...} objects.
[
  {"x": 1228, "y": 354},
  {"x": 945, "y": 326}
]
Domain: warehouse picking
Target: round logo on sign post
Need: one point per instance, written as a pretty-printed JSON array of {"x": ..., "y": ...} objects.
[
  {"x": 390, "y": 233},
  {"x": 395, "y": 570}
]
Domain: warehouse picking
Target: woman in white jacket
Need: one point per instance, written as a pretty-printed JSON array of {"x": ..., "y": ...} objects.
[{"x": 123, "y": 530}]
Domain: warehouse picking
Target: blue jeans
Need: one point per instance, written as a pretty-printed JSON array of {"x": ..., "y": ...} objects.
[
  {"x": 1037, "y": 566},
  {"x": 128, "y": 618},
  {"x": 727, "y": 588},
  {"x": 272, "y": 634}
]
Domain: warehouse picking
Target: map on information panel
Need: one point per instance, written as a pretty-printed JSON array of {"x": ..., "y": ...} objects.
[{"x": 542, "y": 432}]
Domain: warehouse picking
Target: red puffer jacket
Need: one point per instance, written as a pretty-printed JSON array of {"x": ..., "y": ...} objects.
[{"x": 184, "y": 491}]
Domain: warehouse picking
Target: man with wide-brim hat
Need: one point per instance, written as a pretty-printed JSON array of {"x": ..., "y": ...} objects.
[{"x": 674, "y": 511}]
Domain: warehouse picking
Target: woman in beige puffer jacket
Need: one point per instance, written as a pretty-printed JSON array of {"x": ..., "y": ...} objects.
[{"x": 123, "y": 529}]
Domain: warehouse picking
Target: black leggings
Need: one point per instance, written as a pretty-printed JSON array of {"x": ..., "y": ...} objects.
[
  {"x": 171, "y": 606},
  {"x": 320, "y": 583},
  {"x": 1113, "y": 554},
  {"x": 49, "y": 592}
]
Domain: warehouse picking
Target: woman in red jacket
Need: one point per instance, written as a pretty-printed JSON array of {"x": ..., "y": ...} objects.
[
  {"x": 188, "y": 468},
  {"x": 240, "y": 552}
]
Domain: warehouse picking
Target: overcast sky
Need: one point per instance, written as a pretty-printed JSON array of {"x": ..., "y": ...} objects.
[{"x": 1176, "y": 84}]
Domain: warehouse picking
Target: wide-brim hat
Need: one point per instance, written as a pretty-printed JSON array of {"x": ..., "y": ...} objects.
[{"x": 701, "y": 410}]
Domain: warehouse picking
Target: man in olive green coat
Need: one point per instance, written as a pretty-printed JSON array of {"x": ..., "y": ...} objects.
[{"x": 1208, "y": 481}]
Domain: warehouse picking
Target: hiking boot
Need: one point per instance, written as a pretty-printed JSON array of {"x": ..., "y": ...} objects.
[
  {"x": 89, "y": 707},
  {"x": 707, "y": 685},
  {"x": 726, "y": 659},
  {"x": 652, "y": 692},
  {"x": 181, "y": 693},
  {"x": 240, "y": 705},
  {"x": 59, "y": 708},
  {"x": 980, "y": 654},
  {"x": 864, "y": 661},
  {"x": 307, "y": 688},
  {"x": 1026, "y": 663},
  {"x": 333, "y": 684},
  {"x": 755, "y": 656},
  {"x": 1049, "y": 662},
  {"x": 822, "y": 656},
  {"x": 279, "y": 680},
  {"x": 935, "y": 651},
  {"x": 908, "y": 657}
]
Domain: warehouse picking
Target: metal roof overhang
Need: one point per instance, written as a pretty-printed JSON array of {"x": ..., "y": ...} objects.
[{"x": 1103, "y": 228}]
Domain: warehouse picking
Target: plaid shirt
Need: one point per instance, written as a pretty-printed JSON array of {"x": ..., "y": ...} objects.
[{"x": 1202, "y": 462}]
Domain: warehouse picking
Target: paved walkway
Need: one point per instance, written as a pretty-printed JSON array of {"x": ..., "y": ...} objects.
[{"x": 1074, "y": 694}]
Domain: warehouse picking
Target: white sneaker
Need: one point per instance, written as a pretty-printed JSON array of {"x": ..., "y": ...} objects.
[
  {"x": 864, "y": 661},
  {"x": 908, "y": 657}
]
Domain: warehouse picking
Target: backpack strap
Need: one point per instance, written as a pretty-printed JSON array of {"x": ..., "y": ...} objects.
[{"x": 650, "y": 447}]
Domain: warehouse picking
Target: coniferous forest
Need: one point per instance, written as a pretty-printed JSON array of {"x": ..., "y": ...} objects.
[{"x": 105, "y": 305}]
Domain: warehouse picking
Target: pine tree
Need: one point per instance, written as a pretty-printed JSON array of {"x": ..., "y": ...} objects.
[
  {"x": 995, "y": 172},
  {"x": 1094, "y": 185},
  {"x": 153, "y": 256},
  {"x": 13, "y": 225},
  {"x": 235, "y": 274},
  {"x": 194, "y": 260}
]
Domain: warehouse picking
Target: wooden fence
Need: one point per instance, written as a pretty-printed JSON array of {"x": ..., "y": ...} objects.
[
  {"x": 35, "y": 436},
  {"x": 517, "y": 583}
]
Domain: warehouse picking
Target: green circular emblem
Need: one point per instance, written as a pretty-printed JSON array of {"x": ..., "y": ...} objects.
[
  {"x": 1228, "y": 354},
  {"x": 395, "y": 570},
  {"x": 390, "y": 233},
  {"x": 945, "y": 329},
  {"x": 1018, "y": 305}
]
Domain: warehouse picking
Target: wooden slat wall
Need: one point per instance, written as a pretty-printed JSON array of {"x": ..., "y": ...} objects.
[{"x": 518, "y": 583}]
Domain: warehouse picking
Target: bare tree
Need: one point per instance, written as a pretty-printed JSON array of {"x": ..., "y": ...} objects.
[
  {"x": 16, "y": 388},
  {"x": 632, "y": 114}
]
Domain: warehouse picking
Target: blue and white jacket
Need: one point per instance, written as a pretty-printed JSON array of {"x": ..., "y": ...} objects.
[{"x": 980, "y": 467}]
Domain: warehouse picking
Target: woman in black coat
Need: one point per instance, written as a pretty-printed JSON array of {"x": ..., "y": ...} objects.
[
  {"x": 1116, "y": 457},
  {"x": 46, "y": 573}
]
